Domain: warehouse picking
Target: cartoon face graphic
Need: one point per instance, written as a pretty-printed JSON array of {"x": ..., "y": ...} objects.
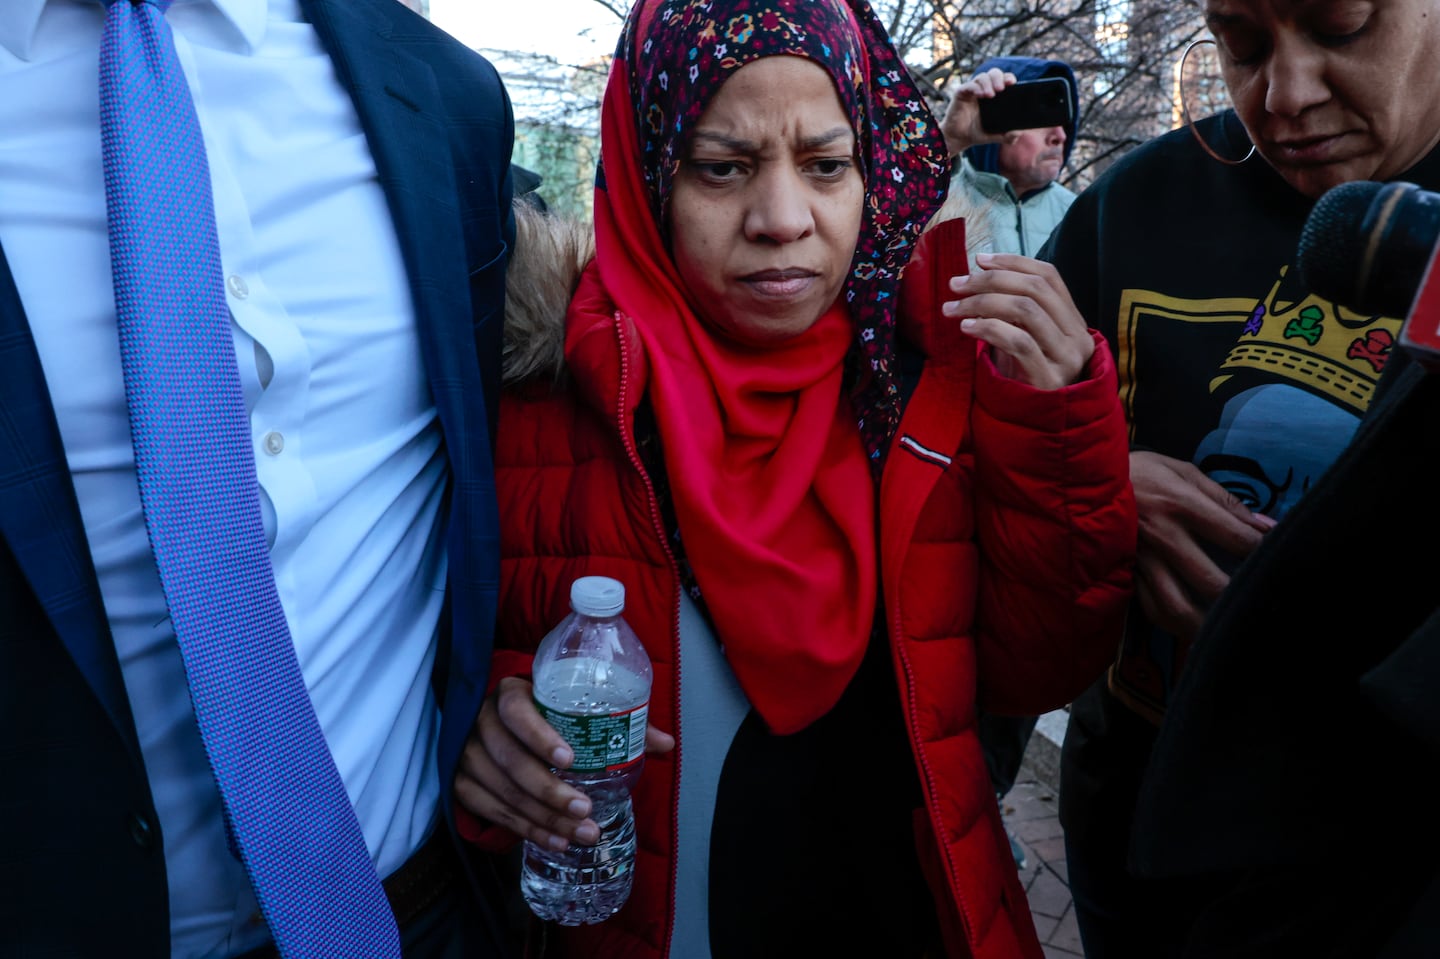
[{"x": 1272, "y": 444}]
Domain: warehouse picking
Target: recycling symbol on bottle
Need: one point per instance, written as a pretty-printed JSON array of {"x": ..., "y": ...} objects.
[{"x": 617, "y": 741}]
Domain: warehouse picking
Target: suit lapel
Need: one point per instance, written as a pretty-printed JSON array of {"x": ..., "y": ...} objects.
[
  {"x": 397, "y": 99},
  {"x": 401, "y": 110},
  {"x": 40, "y": 517}
]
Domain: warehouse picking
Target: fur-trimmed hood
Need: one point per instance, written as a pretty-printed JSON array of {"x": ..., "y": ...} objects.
[{"x": 550, "y": 253}]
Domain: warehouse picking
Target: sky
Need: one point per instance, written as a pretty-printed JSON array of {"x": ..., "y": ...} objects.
[{"x": 572, "y": 31}]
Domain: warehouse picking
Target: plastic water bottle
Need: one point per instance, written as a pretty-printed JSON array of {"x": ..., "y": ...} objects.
[{"x": 592, "y": 683}]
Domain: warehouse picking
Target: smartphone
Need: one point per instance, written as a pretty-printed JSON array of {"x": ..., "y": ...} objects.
[{"x": 1027, "y": 105}]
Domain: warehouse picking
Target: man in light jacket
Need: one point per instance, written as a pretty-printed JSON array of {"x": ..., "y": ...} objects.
[{"x": 1014, "y": 181}]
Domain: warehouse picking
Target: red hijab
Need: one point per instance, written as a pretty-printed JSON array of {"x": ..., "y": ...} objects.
[{"x": 769, "y": 474}]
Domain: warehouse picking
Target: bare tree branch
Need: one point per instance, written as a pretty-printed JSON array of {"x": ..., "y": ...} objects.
[
  {"x": 1125, "y": 54},
  {"x": 619, "y": 9}
]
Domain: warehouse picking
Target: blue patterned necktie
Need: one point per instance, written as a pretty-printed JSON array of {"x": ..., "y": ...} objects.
[{"x": 290, "y": 818}]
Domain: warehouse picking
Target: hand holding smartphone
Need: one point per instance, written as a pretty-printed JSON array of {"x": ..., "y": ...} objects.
[{"x": 1028, "y": 105}]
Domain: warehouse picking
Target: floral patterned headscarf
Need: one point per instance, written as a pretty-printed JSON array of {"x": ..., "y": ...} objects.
[
  {"x": 902, "y": 154},
  {"x": 772, "y": 485}
]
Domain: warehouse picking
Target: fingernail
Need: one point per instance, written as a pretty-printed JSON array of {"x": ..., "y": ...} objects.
[
  {"x": 579, "y": 808},
  {"x": 557, "y": 843},
  {"x": 967, "y": 324},
  {"x": 1264, "y": 520},
  {"x": 561, "y": 757},
  {"x": 588, "y": 833},
  {"x": 949, "y": 308},
  {"x": 958, "y": 281}
]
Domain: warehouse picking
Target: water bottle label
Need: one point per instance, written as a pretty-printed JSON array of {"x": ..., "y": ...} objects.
[{"x": 601, "y": 742}]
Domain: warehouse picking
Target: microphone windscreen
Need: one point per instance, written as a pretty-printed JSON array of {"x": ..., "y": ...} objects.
[
  {"x": 1332, "y": 244},
  {"x": 1368, "y": 245}
]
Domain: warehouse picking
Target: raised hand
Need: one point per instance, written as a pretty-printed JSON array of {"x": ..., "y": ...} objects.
[
  {"x": 961, "y": 125},
  {"x": 1021, "y": 307}
]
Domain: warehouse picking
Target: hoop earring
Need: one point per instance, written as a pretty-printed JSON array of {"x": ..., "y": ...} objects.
[{"x": 1185, "y": 111}]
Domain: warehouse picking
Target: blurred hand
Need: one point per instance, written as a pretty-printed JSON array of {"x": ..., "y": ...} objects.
[
  {"x": 961, "y": 125},
  {"x": 1021, "y": 307},
  {"x": 1181, "y": 512},
  {"x": 505, "y": 771}
]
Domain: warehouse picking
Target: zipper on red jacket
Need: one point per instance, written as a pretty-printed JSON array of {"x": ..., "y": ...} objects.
[
  {"x": 657, "y": 523},
  {"x": 897, "y": 642}
]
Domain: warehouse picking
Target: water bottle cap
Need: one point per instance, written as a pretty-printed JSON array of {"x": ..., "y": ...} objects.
[{"x": 597, "y": 596}]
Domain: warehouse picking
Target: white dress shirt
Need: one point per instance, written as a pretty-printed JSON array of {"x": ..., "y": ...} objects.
[{"x": 347, "y": 443}]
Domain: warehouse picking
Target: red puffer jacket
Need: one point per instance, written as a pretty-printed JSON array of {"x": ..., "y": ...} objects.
[{"x": 1007, "y": 533}]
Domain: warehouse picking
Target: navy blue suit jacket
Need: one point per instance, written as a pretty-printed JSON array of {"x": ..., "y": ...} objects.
[{"x": 82, "y": 871}]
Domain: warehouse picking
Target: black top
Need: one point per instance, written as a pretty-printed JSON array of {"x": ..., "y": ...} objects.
[
  {"x": 1225, "y": 358},
  {"x": 812, "y": 848}
]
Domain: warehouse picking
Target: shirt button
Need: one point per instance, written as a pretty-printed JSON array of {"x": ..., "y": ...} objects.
[
  {"x": 237, "y": 286},
  {"x": 141, "y": 831},
  {"x": 274, "y": 443}
]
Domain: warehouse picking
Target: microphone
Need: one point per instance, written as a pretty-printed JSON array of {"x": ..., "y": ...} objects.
[
  {"x": 1371, "y": 247},
  {"x": 1368, "y": 245}
]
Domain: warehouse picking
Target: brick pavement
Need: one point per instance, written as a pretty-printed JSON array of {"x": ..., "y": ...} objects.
[{"x": 1031, "y": 811}]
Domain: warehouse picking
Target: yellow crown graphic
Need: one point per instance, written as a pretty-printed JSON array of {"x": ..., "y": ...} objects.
[{"x": 1315, "y": 344}]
